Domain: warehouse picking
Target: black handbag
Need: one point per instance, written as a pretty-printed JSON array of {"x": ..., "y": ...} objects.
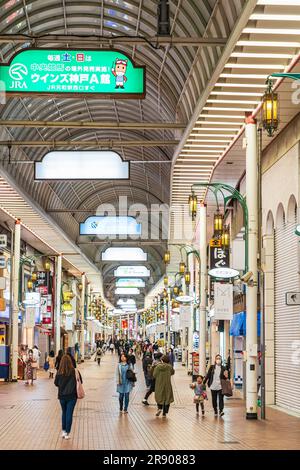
[{"x": 130, "y": 375}]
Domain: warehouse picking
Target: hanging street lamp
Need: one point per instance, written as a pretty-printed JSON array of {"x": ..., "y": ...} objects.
[
  {"x": 270, "y": 119},
  {"x": 218, "y": 224},
  {"x": 167, "y": 257},
  {"x": 166, "y": 281},
  {"x": 187, "y": 278},
  {"x": 175, "y": 290},
  {"x": 182, "y": 267},
  {"x": 193, "y": 205},
  {"x": 225, "y": 238}
]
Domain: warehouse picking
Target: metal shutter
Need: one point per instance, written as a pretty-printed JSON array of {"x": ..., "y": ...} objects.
[{"x": 287, "y": 319}]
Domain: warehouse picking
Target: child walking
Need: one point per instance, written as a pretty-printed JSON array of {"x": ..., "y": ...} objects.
[{"x": 199, "y": 394}]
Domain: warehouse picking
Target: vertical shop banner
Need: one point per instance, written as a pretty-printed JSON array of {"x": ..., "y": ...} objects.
[
  {"x": 223, "y": 304},
  {"x": 69, "y": 323},
  {"x": 46, "y": 309},
  {"x": 30, "y": 313},
  {"x": 70, "y": 72},
  {"x": 185, "y": 316}
]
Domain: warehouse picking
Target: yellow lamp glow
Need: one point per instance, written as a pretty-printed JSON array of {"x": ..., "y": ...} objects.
[
  {"x": 181, "y": 268},
  {"x": 167, "y": 257},
  {"x": 270, "y": 119}
]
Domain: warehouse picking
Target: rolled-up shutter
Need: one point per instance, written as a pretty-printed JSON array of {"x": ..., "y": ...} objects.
[{"x": 287, "y": 319}]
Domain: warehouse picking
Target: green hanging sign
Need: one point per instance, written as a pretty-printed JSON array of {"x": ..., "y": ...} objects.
[{"x": 72, "y": 72}]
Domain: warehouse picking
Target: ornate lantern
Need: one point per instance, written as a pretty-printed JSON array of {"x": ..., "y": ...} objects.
[
  {"x": 193, "y": 205},
  {"x": 270, "y": 110}
]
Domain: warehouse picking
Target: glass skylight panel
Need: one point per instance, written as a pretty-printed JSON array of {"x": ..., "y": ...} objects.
[
  {"x": 124, "y": 254},
  {"x": 130, "y": 282},
  {"x": 132, "y": 271}
]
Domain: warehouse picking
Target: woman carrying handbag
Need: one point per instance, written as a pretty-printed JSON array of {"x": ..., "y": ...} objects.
[
  {"x": 125, "y": 382},
  {"x": 214, "y": 377},
  {"x": 69, "y": 383}
]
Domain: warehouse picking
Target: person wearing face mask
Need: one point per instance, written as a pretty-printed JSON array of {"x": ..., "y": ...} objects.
[{"x": 213, "y": 378}]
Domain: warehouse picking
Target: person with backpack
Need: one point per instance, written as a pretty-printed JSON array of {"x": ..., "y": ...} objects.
[
  {"x": 66, "y": 381},
  {"x": 147, "y": 364},
  {"x": 157, "y": 360}
]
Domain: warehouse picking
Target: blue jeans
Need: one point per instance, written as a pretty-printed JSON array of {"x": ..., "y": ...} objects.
[
  {"x": 121, "y": 400},
  {"x": 67, "y": 407}
]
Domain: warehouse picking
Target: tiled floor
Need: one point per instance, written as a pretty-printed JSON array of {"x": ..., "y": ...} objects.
[{"x": 30, "y": 418}]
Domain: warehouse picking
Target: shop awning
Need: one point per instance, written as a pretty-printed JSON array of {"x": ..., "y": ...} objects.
[{"x": 238, "y": 324}]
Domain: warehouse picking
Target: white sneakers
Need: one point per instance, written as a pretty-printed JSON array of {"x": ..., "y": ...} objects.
[{"x": 65, "y": 435}]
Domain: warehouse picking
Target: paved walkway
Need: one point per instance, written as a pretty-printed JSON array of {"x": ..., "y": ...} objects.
[{"x": 30, "y": 418}]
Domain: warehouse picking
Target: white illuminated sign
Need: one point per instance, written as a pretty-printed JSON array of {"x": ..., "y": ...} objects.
[
  {"x": 110, "y": 225},
  {"x": 81, "y": 165},
  {"x": 184, "y": 299},
  {"x": 223, "y": 273},
  {"x": 126, "y": 302},
  {"x": 123, "y": 282},
  {"x": 124, "y": 254},
  {"x": 127, "y": 291},
  {"x": 132, "y": 271}
]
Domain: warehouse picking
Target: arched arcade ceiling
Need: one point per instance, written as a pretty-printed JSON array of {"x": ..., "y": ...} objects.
[{"x": 176, "y": 77}]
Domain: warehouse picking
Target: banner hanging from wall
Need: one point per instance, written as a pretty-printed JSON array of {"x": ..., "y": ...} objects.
[
  {"x": 68, "y": 72},
  {"x": 223, "y": 301}
]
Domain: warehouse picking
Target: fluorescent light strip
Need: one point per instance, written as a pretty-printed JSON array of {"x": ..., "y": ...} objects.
[
  {"x": 244, "y": 75},
  {"x": 208, "y": 140},
  {"x": 284, "y": 3},
  {"x": 271, "y": 17},
  {"x": 196, "y": 159},
  {"x": 212, "y": 135},
  {"x": 229, "y": 129},
  {"x": 205, "y": 146},
  {"x": 233, "y": 102},
  {"x": 254, "y": 66},
  {"x": 183, "y": 171},
  {"x": 234, "y": 93},
  {"x": 232, "y": 109},
  {"x": 290, "y": 45},
  {"x": 200, "y": 152},
  {"x": 193, "y": 166},
  {"x": 261, "y": 55},
  {"x": 223, "y": 116},
  {"x": 241, "y": 85},
  {"x": 280, "y": 31}
]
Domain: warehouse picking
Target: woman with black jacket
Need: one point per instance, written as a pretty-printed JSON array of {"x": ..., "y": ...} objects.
[
  {"x": 215, "y": 374},
  {"x": 65, "y": 380}
]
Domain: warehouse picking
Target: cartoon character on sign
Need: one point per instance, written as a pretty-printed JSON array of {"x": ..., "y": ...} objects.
[{"x": 119, "y": 72}]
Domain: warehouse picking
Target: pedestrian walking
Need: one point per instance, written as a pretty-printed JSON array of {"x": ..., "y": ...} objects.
[
  {"x": 112, "y": 347},
  {"x": 171, "y": 356},
  {"x": 124, "y": 382},
  {"x": 131, "y": 358},
  {"x": 163, "y": 386},
  {"x": 58, "y": 359},
  {"x": 66, "y": 381},
  {"x": 199, "y": 394},
  {"x": 157, "y": 360},
  {"x": 147, "y": 364},
  {"x": 69, "y": 352},
  {"x": 30, "y": 368},
  {"x": 51, "y": 361},
  {"x": 99, "y": 353},
  {"x": 215, "y": 374}
]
